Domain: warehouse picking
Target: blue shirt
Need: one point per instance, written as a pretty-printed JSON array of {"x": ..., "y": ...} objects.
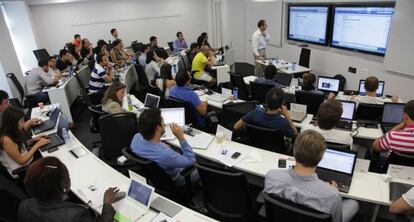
[
  {"x": 142, "y": 59},
  {"x": 178, "y": 45},
  {"x": 273, "y": 121},
  {"x": 262, "y": 80},
  {"x": 169, "y": 160},
  {"x": 188, "y": 95}
]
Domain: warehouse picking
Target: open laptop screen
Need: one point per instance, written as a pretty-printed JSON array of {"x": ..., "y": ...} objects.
[
  {"x": 173, "y": 115},
  {"x": 140, "y": 192},
  {"x": 328, "y": 84},
  {"x": 393, "y": 113},
  {"x": 348, "y": 110},
  {"x": 151, "y": 100},
  {"x": 379, "y": 92},
  {"x": 340, "y": 161}
]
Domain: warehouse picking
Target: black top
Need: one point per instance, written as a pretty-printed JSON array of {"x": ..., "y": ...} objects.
[
  {"x": 61, "y": 65},
  {"x": 84, "y": 52},
  {"x": 61, "y": 211},
  {"x": 308, "y": 87}
]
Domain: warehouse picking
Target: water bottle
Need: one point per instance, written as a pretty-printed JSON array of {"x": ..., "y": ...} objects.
[
  {"x": 293, "y": 66},
  {"x": 174, "y": 68},
  {"x": 277, "y": 59},
  {"x": 65, "y": 135},
  {"x": 130, "y": 106},
  {"x": 70, "y": 71},
  {"x": 236, "y": 93}
]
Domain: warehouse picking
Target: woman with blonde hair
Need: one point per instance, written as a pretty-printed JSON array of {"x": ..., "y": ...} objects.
[{"x": 112, "y": 101}]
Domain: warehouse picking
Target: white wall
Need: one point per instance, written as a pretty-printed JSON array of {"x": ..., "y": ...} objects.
[
  {"x": 54, "y": 23},
  {"x": 324, "y": 61}
]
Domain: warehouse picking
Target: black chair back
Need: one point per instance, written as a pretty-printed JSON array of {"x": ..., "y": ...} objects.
[
  {"x": 117, "y": 131},
  {"x": 259, "y": 91},
  {"x": 142, "y": 77},
  {"x": 190, "y": 116},
  {"x": 220, "y": 189},
  {"x": 171, "y": 45},
  {"x": 283, "y": 78},
  {"x": 399, "y": 158},
  {"x": 41, "y": 54},
  {"x": 244, "y": 68},
  {"x": 96, "y": 113},
  {"x": 278, "y": 209},
  {"x": 238, "y": 81},
  {"x": 181, "y": 65},
  {"x": 342, "y": 81},
  {"x": 11, "y": 195},
  {"x": 304, "y": 58},
  {"x": 367, "y": 111},
  {"x": 312, "y": 99},
  {"x": 268, "y": 139},
  {"x": 187, "y": 63},
  {"x": 17, "y": 85},
  {"x": 232, "y": 112}
]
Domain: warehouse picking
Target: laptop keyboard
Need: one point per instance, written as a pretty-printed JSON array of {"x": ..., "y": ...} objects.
[
  {"x": 130, "y": 210},
  {"x": 54, "y": 140},
  {"x": 344, "y": 125},
  {"x": 343, "y": 181}
]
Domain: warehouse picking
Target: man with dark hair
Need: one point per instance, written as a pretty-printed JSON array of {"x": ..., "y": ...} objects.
[
  {"x": 64, "y": 61},
  {"x": 194, "y": 49},
  {"x": 102, "y": 73},
  {"x": 401, "y": 137},
  {"x": 275, "y": 116},
  {"x": 309, "y": 80},
  {"x": 114, "y": 34},
  {"x": 118, "y": 55},
  {"x": 201, "y": 61},
  {"x": 371, "y": 86},
  {"x": 147, "y": 144},
  {"x": 142, "y": 59},
  {"x": 186, "y": 94},
  {"x": 260, "y": 39},
  {"x": 180, "y": 43},
  {"x": 39, "y": 78},
  {"x": 153, "y": 42},
  {"x": 301, "y": 184},
  {"x": 76, "y": 40},
  {"x": 329, "y": 114},
  {"x": 269, "y": 74}
]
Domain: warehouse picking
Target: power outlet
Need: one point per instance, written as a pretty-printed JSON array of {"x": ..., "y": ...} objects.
[{"x": 352, "y": 70}]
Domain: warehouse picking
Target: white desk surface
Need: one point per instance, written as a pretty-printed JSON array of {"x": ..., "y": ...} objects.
[
  {"x": 89, "y": 169},
  {"x": 285, "y": 66},
  {"x": 204, "y": 98}
]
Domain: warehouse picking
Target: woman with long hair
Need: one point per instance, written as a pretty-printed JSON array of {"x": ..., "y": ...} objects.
[
  {"x": 112, "y": 101},
  {"x": 13, "y": 146},
  {"x": 166, "y": 81}
]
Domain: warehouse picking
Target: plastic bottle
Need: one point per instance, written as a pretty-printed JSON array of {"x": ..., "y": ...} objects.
[
  {"x": 236, "y": 93},
  {"x": 174, "y": 68},
  {"x": 65, "y": 135},
  {"x": 130, "y": 106}
]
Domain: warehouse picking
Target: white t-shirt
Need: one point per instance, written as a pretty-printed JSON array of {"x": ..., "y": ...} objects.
[
  {"x": 10, "y": 164},
  {"x": 159, "y": 83},
  {"x": 332, "y": 135},
  {"x": 152, "y": 70},
  {"x": 369, "y": 100}
]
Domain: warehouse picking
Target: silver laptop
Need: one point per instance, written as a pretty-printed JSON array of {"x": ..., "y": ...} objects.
[
  {"x": 297, "y": 116},
  {"x": 151, "y": 101}
]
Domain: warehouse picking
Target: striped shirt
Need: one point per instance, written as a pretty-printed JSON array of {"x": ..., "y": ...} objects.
[
  {"x": 308, "y": 191},
  {"x": 401, "y": 141},
  {"x": 96, "y": 81}
]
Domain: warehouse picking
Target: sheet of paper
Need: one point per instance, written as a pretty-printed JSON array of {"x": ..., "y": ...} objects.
[
  {"x": 401, "y": 172},
  {"x": 226, "y": 92},
  {"x": 226, "y": 151},
  {"x": 227, "y": 133},
  {"x": 200, "y": 140},
  {"x": 253, "y": 157},
  {"x": 298, "y": 107}
]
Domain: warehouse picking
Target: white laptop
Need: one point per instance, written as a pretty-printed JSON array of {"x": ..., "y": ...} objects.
[
  {"x": 297, "y": 112},
  {"x": 137, "y": 201},
  {"x": 170, "y": 116},
  {"x": 217, "y": 97}
]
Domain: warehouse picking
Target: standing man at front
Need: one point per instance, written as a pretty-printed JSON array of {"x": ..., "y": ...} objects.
[{"x": 259, "y": 43}]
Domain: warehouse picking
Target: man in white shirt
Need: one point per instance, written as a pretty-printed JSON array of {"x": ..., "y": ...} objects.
[
  {"x": 259, "y": 43},
  {"x": 404, "y": 205},
  {"x": 114, "y": 34},
  {"x": 329, "y": 114},
  {"x": 371, "y": 85}
]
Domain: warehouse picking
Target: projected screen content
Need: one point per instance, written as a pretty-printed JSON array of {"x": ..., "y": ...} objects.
[
  {"x": 328, "y": 84},
  {"x": 362, "y": 28},
  {"x": 337, "y": 160},
  {"x": 308, "y": 23}
]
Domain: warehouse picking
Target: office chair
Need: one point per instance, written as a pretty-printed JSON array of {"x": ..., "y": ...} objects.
[
  {"x": 244, "y": 68},
  {"x": 41, "y": 54},
  {"x": 342, "y": 81},
  {"x": 268, "y": 139},
  {"x": 161, "y": 181},
  {"x": 304, "y": 58},
  {"x": 278, "y": 209},
  {"x": 187, "y": 63},
  {"x": 197, "y": 81},
  {"x": 238, "y": 81},
  {"x": 338, "y": 146},
  {"x": 226, "y": 194},
  {"x": 96, "y": 113},
  {"x": 171, "y": 45},
  {"x": 367, "y": 111},
  {"x": 25, "y": 101},
  {"x": 259, "y": 91},
  {"x": 117, "y": 131},
  {"x": 312, "y": 99},
  {"x": 283, "y": 78},
  {"x": 181, "y": 65},
  {"x": 232, "y": 112},
  {"x": 397, "y": 158},
  {"x": 143, "y": 85},
  {"x": 11, "y": 195}
]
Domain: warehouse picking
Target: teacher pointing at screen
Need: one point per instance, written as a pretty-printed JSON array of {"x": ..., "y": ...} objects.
[{"x": 259, "y": 43}]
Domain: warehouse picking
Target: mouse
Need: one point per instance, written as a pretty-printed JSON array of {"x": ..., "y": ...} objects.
[
  {"x": 119, "y": 196},
  {"x": 48, "y": 113}
]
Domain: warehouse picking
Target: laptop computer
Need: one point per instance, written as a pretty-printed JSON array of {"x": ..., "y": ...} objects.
[
  {"x": 337, "y": 165},
  {"x": 170, "y": 116},
  {"x": 151, "y": 101},
  {"x": 297, "y": 112},
  {"x": 328, "y": 84},
  {"x": 137, "y": 201},
  {"x": 48, "y": 124},
  {"x": 380, "y": 90},
  {"x": 56, "y": 139},
  {"x": 392, "y": 116},
  {"x": 348, "y": 114},
  {"x": 217, "y": 97}
]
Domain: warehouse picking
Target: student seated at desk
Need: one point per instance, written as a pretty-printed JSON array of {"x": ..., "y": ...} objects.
[
  {"x": 142, "y": 59},
  {"x": 153, "y": 43},
  {"x": 275, "y": 116},
  {"x": 309, "y": 80},
  {"x": 147, "y": 144},
  {"x": 102, "y": 73},
  {"x": 152, "y": 67},
  {"x": 118, "y": 56},
  {"x": 13, "y": 146},
  {"x": 4, "y": 104},
  {"x": 47, "y": 181},
  {"x": 371, "y": 85},
  {"x": 112, "y": 101},
  {"x": 53, "y": 70},
  {"x": 101, "y": 48},
  {"x": 194, "y": 49},
  {"x": 329, "y": 114},
  {"x": 269, "y": 74},
  {"x": 39, "y": 78},
  {"x": 166, "y": 81},
  {"x": 87, "y": 49},
  {"x": 201, "y": 61},
  {"x": 401, "y": 137},
  {"x": 180, "y": 43},
  {"x": 65, "y": 60},
  {"x": 182, "y": 92},
  {"x": 301, "y": 184},
  {"x": 404, "y": 205},
  {"x": 76, "y": 40}
]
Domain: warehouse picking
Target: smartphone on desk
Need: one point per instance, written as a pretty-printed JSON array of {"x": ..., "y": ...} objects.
[{"x": 235, "y": 155}]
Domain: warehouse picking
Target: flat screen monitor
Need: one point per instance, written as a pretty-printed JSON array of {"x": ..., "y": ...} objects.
[
  {"x": 363, "y": 29},
  {"x": 328, "y": 84},
  {"x": 308, "y": 23},
  {"x": 380, "y": 90}
]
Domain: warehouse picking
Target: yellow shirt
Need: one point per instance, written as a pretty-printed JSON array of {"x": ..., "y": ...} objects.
[{"x": 199, "y": 62}]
